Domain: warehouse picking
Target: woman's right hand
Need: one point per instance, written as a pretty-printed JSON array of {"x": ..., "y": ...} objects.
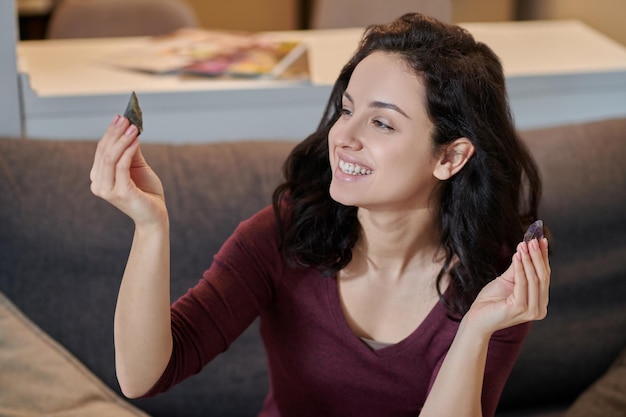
[{"x": 121, "y": 176}]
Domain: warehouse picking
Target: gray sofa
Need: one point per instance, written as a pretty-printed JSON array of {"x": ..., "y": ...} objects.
[{"x": 62, "y": 253}]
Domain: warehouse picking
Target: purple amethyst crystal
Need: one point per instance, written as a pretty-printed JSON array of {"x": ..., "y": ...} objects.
[{"x": 535, "y": 231}]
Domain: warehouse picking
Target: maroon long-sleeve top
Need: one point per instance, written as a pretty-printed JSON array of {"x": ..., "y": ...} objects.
[{"x": 317, "y": 365}]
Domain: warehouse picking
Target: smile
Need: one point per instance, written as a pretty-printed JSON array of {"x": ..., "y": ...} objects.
[{"x": 353, "y": 169}]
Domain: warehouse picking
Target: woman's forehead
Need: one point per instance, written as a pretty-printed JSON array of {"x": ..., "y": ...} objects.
[{"x": 386, "y": 77}]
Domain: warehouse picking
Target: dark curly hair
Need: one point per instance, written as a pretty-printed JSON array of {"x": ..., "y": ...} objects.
[{"x": 484, "y": 208}]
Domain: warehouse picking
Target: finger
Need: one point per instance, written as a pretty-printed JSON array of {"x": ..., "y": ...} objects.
[
  {"x": 113, "y": 134},
  {"x": 115, "y": 130},
  {"x": 539, "y": 257},
  {"x": 112, "y": 149},
  {"x": 122, "y": 173},
  {"x": 99, "y": 149},
  {"x": 126, "y": 151},
  {"x": 545, "y": 253},
  {"x": 139, "y": 160},
  {"x": 538, "y": 250},
  {"x": 520, "y": 290},
  {"x": 531, "y": 278},
  {"x": 542, "y": 273}
]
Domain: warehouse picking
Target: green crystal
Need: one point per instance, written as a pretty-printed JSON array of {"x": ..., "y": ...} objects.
[{"x": 133, "y": 112}]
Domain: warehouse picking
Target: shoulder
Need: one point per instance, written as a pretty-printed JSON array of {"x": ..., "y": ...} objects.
[
  {"x": 256, "y": 240},
  {"x": 261, "y": 223}
]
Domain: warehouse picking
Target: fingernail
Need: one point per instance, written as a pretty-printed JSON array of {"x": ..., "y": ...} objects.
[
  {"x": 534, "y": 244},
  {"x": 115, "y": 119},
  {"x": 524, "y": 247},
  {"x": 119, "y": 121},
  {"x": 131, "y": 130}
]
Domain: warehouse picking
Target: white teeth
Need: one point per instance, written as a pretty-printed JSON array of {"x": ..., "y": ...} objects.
[{"x": 353, "y": 169}]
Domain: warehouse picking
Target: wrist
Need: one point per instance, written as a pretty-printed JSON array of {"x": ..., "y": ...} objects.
[
  {"x": 152, "y": 228},
  {"x": 474, "y": 330}
]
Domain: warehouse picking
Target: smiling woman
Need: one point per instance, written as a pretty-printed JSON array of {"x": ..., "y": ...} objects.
[
  {"x": 388, "y": 275},
  {"x": 440, "y": 214}
]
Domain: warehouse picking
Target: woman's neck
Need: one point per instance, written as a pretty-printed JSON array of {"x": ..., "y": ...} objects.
[{"x": 392, "y": 244}]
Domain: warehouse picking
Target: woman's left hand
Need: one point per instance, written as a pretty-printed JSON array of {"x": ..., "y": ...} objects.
[{"x": 519, "y": 295}]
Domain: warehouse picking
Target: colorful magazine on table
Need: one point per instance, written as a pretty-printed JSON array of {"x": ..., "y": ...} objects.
[{"x": 213, "y": 53}]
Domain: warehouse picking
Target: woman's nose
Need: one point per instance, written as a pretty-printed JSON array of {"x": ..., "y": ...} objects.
[{"x": 347, "y": 134}]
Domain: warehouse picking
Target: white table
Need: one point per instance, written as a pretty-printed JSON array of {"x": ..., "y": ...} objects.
[
  {"x": 557, "y": 72},
  {"x": 69, "y": 91}
]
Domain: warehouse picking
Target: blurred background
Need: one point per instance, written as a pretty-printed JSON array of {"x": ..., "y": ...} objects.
[{"x": 606, "y": 16}]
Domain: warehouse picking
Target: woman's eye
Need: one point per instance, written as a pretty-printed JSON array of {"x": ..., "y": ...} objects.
[
  {"x": 382, "y": 125},
  {"x": 346, "y": 112}
]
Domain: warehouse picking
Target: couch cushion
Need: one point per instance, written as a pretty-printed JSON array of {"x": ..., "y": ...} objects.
[
  {"x": 607, "y": 396},
  {"x": 39, "y": 377}
]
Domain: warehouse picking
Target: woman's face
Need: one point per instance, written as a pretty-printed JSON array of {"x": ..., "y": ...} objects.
[{"x": 381, "y": 152}]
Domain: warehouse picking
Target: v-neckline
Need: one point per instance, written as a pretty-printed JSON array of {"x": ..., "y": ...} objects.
[{"x": 394, "y": 348}]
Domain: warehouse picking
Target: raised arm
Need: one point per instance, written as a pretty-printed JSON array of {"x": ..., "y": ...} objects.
[
  {"x": 519, "y": 295},
  {"x": 142, "y": 328}
]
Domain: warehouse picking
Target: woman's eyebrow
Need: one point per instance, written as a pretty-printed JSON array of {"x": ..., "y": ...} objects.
[{"x": 379, "y": 105}]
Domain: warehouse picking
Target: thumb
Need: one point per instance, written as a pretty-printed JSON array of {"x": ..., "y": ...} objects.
[{"x": 138, "y": 160}]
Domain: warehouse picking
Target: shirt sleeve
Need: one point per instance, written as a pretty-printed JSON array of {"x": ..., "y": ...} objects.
[
  {"x": 230, "y": 295},
  {"x": 504, "y": 348}
]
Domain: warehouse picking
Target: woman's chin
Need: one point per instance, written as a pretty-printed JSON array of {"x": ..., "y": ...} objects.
[{"x": 343, "y": 196}]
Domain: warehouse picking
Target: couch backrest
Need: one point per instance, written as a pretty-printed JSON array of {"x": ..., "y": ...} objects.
[
  {"x": 63, "y": 251},
  {"x": 584, "y": 205}
]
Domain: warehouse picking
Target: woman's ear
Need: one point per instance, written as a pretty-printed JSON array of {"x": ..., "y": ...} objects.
[{"x": 453, "y": 158}]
